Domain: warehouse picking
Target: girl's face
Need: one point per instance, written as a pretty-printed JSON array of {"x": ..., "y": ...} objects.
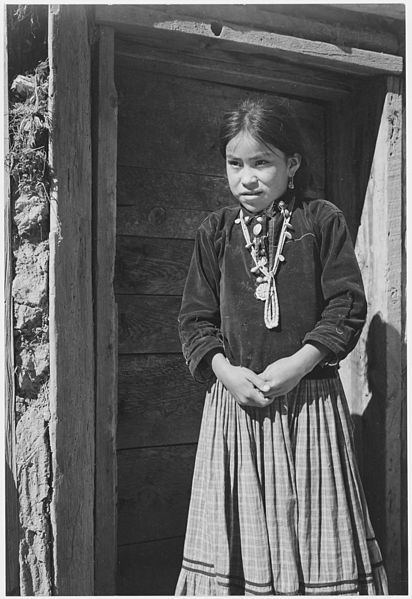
[{"x": 258, "y": 174}]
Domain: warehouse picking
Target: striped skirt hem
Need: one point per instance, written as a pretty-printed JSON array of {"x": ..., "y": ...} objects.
[{"x": 200, "y": 579}]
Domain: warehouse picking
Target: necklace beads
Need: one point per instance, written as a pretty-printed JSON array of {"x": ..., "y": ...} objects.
[{"x": 265, "y": 270}]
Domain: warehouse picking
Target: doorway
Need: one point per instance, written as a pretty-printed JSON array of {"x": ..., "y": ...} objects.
[{"x": 170, "y": 176}]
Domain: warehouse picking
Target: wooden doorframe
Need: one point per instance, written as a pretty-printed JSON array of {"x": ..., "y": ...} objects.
[
  {"x": 105, "y": 313},
  {"x": 71, "y": 395},
  {"x": 201, "y": 54}
]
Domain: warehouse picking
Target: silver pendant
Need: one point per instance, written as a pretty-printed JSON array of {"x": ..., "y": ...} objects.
[
  {"x": 257, "y": 229},
  {"x": 262, "y": 291}
]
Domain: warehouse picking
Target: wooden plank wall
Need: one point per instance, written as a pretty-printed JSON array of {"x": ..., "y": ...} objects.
[
  {"x": 352, "y": 128},
  {"x": 170, "y": 175},
  {"x": 71, "y": 302}
]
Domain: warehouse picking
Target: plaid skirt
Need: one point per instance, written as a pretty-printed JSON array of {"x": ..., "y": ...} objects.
[{"x": 277, "y": 505}]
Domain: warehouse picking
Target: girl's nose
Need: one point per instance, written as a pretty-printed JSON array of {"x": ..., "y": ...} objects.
[{"x": 249, "y": 179}]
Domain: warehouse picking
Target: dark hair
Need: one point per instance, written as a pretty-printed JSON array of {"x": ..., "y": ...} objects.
[{"x": 270, "y": 122}]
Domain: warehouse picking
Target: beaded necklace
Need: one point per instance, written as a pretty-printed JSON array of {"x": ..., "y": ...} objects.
[{"x": 265, "y": 269}]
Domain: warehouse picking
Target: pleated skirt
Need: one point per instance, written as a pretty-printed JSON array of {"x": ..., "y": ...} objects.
[{"x": 277, "y": 506}]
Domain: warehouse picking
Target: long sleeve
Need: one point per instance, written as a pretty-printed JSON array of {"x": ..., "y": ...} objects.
[
  {"x": 199, "y": 317},
  {"x": 344, "y": 310}
]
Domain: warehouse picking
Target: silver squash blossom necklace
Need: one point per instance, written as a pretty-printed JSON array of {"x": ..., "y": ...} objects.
[{"x": 265, "y": 269}]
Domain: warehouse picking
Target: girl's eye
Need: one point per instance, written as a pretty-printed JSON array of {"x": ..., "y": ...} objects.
[
  {"x": 235, "y": 163},
  {"x": 261, "y": 162}
]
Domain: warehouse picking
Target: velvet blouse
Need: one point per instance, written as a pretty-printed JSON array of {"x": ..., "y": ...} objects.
[{"x": 319, "y": 287}]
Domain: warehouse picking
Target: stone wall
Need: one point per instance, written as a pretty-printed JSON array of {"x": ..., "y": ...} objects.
[
  {"x": 33, "y": 456},
  {"x": 29, "y": 207}
]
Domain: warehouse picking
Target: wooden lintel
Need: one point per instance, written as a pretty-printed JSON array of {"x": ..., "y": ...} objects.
[
  {"x": 307, "y": 23},
  {"x": 283, "y": 47}
]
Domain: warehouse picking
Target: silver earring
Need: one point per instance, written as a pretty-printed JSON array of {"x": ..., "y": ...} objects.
[{"x": 291, "y": 185}]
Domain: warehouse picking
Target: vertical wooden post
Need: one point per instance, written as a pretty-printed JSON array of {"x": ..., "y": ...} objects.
[
  {"x": 12, "y": 517},
  {"x": 71, "y": 302},
  {"x": 104, "y": 219},
  {"x": 373, "y": 374}
]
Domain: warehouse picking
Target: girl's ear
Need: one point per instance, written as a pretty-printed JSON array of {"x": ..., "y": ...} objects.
[{"x": 294, "y": 163}]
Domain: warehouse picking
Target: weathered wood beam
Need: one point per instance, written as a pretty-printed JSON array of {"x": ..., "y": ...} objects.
[
  {"x": 390, "y": 148},
  {"x": 404, "y": 363},
  {"x": 283, "y": 47},
  {"x": 104, "y": 227},
  {"x": 320, "y": 23},
  {"x": 71, "y": 302}
]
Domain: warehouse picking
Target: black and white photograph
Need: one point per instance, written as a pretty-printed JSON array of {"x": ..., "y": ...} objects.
[{"x": 205, "y": 303}]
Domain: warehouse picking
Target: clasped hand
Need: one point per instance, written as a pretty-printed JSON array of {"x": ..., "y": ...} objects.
[
  {"x": 259, "y": 390},
  {"x": 282, "y": 376}
]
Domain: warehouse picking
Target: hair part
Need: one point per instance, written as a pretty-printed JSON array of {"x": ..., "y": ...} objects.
[{"x": 272, "y": 123}]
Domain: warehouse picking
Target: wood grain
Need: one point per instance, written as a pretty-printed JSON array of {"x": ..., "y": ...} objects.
[
  {"x": 188, "y": 115},
  {"x": 148, "y": 324},
  {"x": 150, "y": 568},
  {"x": 142, "y": 187},
  {"x": 157, "y": 221},
  {"x": 246, "y": 39},
  {"x": 316, "y": 22},
  {"x": 104, "y": 223},
  {"x": 168, "y": 54},
  {"x": 390, "y": 146},
  {"x": 154, "y": 491},
  {"x": 71, "y": 302},
  {"x": 159, "y": 402},
  {"x": 148, "y": 266}
]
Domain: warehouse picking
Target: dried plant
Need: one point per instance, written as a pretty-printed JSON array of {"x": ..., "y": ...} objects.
[{"x": 29, "y": 128}]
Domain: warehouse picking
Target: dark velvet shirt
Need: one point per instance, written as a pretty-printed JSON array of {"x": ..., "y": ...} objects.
[{"x": 319, "y": 286}]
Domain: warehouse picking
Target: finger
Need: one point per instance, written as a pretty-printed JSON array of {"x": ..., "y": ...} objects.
[
  {"x": 257, "y": 380},
  {"x": 251, "y": 397},
  {"x": 260, "y": 404},
  {"x": 258, "y": 399}
]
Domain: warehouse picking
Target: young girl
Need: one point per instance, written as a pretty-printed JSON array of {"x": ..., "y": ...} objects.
[{"x": 273, "y": 301}]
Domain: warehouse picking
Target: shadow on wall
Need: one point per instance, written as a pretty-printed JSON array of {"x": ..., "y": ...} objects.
[
  {"x": 12, "y": 535},
  {"x": 362, "y": 144},
  {"x": 372, "y": 430}
]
